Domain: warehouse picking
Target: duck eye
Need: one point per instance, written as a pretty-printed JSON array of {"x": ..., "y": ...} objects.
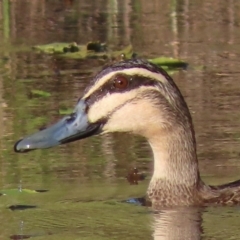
[{"x": 120, "y": 82}]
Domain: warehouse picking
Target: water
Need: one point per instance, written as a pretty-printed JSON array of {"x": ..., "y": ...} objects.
[{"x": 86, "y": 180}]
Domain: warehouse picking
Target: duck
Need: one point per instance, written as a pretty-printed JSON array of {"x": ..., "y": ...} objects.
[{"x": 139, "y": 97}]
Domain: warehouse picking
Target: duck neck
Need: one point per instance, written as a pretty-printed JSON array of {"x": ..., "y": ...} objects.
[{"x": 175, "y": 158}]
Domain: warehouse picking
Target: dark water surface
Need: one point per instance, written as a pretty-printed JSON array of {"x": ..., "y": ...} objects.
[{"x": 86, "y": 180}]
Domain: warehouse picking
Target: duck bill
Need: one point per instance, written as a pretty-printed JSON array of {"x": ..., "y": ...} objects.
[{"x": 69, "y": 129}]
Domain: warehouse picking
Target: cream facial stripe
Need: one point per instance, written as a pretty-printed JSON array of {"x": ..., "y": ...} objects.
[
  {"x": 108, "y": 104},
  {"x": 129, "y": 72}
]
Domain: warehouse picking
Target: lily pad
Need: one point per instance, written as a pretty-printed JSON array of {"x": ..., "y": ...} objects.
[{"x": 40, "y": 93}]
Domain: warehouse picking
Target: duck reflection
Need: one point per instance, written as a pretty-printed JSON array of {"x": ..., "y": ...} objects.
[{"x": 178, "y": 224}]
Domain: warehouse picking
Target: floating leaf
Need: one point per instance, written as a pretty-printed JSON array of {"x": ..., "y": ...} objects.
[
  {"x": 90, "y": 50},
  {"x": 20, "y": 191},
  {"x": 169, "y": 62},
  {"x": 52, "y": 47}
]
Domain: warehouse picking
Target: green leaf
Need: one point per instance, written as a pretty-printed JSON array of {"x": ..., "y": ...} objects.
[{"x": 169, "y": 62}]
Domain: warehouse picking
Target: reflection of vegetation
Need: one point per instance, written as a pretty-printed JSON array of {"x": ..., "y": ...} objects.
[
  {"x": 6, "y": 19},
  {"x": 65, "y": 111},
  {"x": 25, "y": 116},
  {"x": 40, "y": 93}
]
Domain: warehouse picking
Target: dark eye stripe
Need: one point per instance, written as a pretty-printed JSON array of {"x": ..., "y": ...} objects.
[{"x": 134, "y": 82}]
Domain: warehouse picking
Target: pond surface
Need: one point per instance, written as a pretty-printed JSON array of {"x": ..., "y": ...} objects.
[{"x": 86, "y": 180}]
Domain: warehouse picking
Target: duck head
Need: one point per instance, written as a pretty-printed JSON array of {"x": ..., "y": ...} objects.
[{"x": 130, "y": 96}]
